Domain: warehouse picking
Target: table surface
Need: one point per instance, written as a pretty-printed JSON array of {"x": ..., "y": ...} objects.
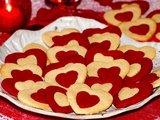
[{"x": 150, "y": 111}]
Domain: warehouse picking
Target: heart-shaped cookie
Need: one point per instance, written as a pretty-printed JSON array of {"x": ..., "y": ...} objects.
[
  {"x": 133, "y": 52},
  {"x": 72, "y": 37},
  {"x": 102, "y": 55},
  {"x": 35, "y": 96},
  {"x": 31, "y": 56},
  {"x": 85, "y": 100},
  {"x": 57, "y": 99},
  {"x": 108, "y": 80},
  {"x": 132, "y": 94},
  {"x": 93, "y": 67},
  {"x": 156, "y": 36},
  {"x": 51, "y": 53},
  {"x": 47, "y": 36},
  {"x": 144, "y": 5},
  {"x": 13, "y": 85},
  {"x": 141, "y": 29},
  {"x": 127, "y": 13},
  {"x": 65, "y": 76},
  {"x": 7, "y": 68}
]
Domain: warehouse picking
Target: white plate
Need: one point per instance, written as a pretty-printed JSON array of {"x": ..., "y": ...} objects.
[{"x": 23, "y": 37}]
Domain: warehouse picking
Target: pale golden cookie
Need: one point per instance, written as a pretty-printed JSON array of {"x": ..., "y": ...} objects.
[
  {"x": 149, "y": 52},
  {"x": 83, "y": 93},
  {"x": 156, "y": 83},
  {"x": 109, "y": 16},
  {"x": 113, "y": 38},
  {"x": 133, "y": 29},
  {"x": 25, "y": 96},
  {"x": 124, "y": 66},
  {"x": 69, "y": 70},
  {"x": 7, "y": 68},
  {"x": 47, "y": 36},
  {"x": 51, "y": 53}
]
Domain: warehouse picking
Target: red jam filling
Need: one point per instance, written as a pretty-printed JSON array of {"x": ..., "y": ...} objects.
[{"x": 125, "y": 16}]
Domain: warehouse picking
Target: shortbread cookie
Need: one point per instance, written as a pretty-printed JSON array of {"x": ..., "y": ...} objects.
[
  {"x": 35, "y": 96},
  {"x": 47, "y": 36},
  {"x": 7, "y": 68},
  {"x": 102, "y": 55},
  {"x": 31, "y": 56},
  {"x": 72, "y": 38},
  {"x": 132, "y": 94},
  {"x": 148, "y": 51},
  {"x": 65, "y": 76},
  {"x": 107, "y": 80},
  {"x": 141, "y": 29},
  {"x": 85, "y": 100},
  {"x": 57, "y": 99},
  {"x": 52, "y": 52},
  {"x": 21, "y": 80},
  {"x": 127, "y": 13},
  {"x": 93, "y": 67},
  {"x": 144, "y": 5}
]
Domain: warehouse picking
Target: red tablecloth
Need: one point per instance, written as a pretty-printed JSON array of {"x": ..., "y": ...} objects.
[{"x": 8, "y": 111}]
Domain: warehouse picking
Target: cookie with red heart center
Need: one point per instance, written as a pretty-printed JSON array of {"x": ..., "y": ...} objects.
[
  {"x": 141, "y": 29},
  {"x": 7, "y": 68},
  {"x": 65, "y": 76},
  {"x": 13, "y": 85},
  {"x": 132, "y": 94},
  {"x": 133, "y": 52},
  {"x": 144, "y": 5},
  {"x": 67, "y": 49},
  {"x": 127, "y": 13},
  {"x": 57, "y": 99},
  {"x": 108, "y": 37},
  {"x": 35, "y": 96},
  {"x": 31, "y": 56},
  {"x": 102, "y": 55},
  {"x": 47, "y": 36},
  {"x": 108, "y": 80},
  {"x": 85, "y": 100},
  {"x": 72, "y": 37},
  {"x": 93, "y": 67}
]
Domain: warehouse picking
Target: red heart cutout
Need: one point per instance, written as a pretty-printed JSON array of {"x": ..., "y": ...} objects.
[
  {"x": 8, "y": 84},
  {"x": 150, "y": 78},
  {"x": 132, "y": 55},
  {"x": 85, "y": 100},
  {"x": 144, "y": 5},
  {"x": 40, "y": 96},
  {"x": 39, "y": 54},
  {"x": 140, "y": 29},
  {"x": 125, "y": 16},
  {"x": 65, "y": 39},
  {"x": 50, "y": 92},
  {"x": 62, "y": 55},
  {"x": 145, "y": 90},
  {"x": 146, "y": 66},
  {"x": 116, "y": 54},
  {"x": 67, "y": 79}
]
